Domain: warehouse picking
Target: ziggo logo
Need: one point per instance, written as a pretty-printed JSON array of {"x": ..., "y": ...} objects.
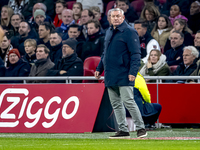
[{"x": 15, "y": 100}]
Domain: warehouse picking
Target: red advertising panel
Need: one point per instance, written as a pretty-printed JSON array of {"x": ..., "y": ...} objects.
[
  {"x": 180, "y": 103},
  {"x": 49, "y": 108}
]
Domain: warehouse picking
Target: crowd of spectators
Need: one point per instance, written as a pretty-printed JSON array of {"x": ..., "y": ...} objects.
[{"x": 50, "y": 38}]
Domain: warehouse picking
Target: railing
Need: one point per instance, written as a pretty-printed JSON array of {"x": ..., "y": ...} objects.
[{"x": 70, "y": 78}]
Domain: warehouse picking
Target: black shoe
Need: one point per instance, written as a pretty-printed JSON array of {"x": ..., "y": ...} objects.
[
  {"x": 120, "y": 135},
  {"x": 141, "y": 133}
]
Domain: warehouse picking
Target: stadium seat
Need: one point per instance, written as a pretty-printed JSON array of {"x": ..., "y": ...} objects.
[
  {"x": 110, "y": 6},
  {"x": 89, "y": 66},
  {"x": 173, "y": 68},
  {"x": 138, "y": 6},
  {"x": 70, "y": 4}
]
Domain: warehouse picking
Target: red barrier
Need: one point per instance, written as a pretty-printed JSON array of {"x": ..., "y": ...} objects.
[{"x": 49, "y": 108}]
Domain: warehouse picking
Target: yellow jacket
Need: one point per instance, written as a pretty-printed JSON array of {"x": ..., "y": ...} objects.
[{"x": 140, "y": 84}]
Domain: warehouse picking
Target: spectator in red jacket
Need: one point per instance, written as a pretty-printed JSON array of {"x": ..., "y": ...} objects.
[{"x": 60, "y": 6}]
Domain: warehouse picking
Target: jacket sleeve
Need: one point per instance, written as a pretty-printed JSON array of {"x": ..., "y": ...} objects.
[
  {"x": 133, "y": 45},
  {"x": 75, "y": 70},
  {"x": 100, "y": 67}
]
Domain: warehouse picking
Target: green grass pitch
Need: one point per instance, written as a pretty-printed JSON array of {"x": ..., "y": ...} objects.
[{"x": 95, "y": 141}]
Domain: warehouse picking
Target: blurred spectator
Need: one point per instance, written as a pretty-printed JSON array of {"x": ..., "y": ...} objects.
[
  {"x": 34, "y": 4},
  {"x": 77, "y": 9},
  {"x": 39, "y": 17},
  {"x": 95, "y": 42},
  {"x": 42, "y": 6},
  {"x": 42, "y": 65},
  {"x": 6, "y": 13},
  {"x": 146, "y": 40},
  {"x": 44, "y": 34},
  {"x": 18, "y": 41},
  {"x": 175, "y": 54},
  {"x": 98, "y": 16},
  {"x": 161, "y": 30},
  {"x": 109, "y": 17},
  {"x": 15, "y": 21},
  {"x": 30, "y": 47},
  {"x": 5, "y": 47},
  {"x": 190, "y": 55},
  {"x": 2, "y": 68},
  {"x": 3, "y": 3},
  {"x": 184, "y": 5},
  {"x": 89, "y": 3},
  {"x": 70, "y": 64},
  {"x": 56, "y": 44},
  {"x": 18, "y": 67},
  {"x": 86, "y": 15},
  {"x": 150, "y": 13},
  {"x": 67, "y": 18},
  {"x": 156, "y": 65},
  {"x": 18, "y": 5},
  {"x": 175, "y": 13},
  {"x": 74, "y": 32},
  {"x": 60, "y": 6},
  {"x": 197, "y": 40},
  {"x": 181, "y": 26},
  {"x": 193, "y": 19},
  {"x": 129, "y": 12}
]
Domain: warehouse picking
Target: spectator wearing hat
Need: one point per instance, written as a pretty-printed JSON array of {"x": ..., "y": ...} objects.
[
  {"x": 67, "y": 18},
  {"x": 18, "y": 67},
  {"x": 24, "y": 34},
  {"x": 39, "y": 18},
  {"x": 70, "y": 64},
  {"x": 42, "y": 65}
]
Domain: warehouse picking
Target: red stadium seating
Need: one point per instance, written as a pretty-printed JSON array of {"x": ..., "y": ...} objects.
[
  {"x": 70, "y": 4},
  {"x": 173, "y": 68},
  {"x": 138, "y": 5},
  {"x": 110, "y": 6},
  {"x": 90, "y": 65}
]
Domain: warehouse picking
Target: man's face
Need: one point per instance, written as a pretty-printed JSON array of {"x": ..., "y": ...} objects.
[
  {"x": 40, "y": 53},
  {"x": 67, "y": 50},
  {"x": 55, "y": 39},
  {"x": 38, "y": 6},
  {"x": 117, "y": 18},
  {"x": 59, "y": 8},
  {"x": 141, "y": 30},
  {"x": 15, "y": 21},
  {"x": 73, "y": 32},
  {"x": 92, "y": 29},
  {"x": 29, "y": 49},
  {"x": 39, "y": 19},
  {"x": 43, "y": 33},
  {"x": 85, "y": 17},
  {"x": 197, "y": 40},
  {"x": 5, "y": 43},
  {"x": 194, "y": 8},
  {"x": 67, "y": 16},
  {"x": 123, "y": 6},
  {"x": 23, "y": 29},
  {"x": 188, "y": 58},
  {"x": 13, "y": 58},
  {"x": 176, "y": 40}
]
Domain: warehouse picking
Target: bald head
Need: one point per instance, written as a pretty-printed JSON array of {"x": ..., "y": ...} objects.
[
  {"x": 39, "y": 6},
  {"x": 67, "y": 16}
]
